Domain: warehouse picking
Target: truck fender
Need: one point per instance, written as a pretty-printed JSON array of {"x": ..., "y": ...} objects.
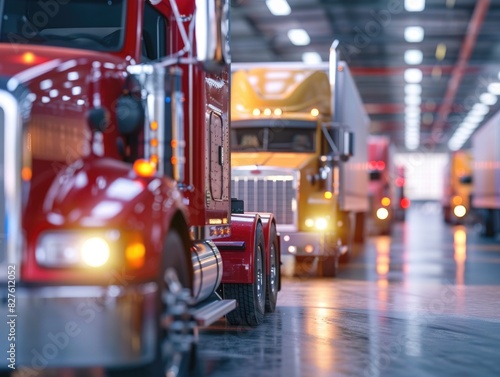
[
  {"x": 150, "y": 206},
  {"x": 237, "y": 249},
  {"x": 268, "y": 220}
]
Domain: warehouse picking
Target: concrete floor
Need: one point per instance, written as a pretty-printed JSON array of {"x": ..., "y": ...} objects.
[{"x": 424, "y": 302}]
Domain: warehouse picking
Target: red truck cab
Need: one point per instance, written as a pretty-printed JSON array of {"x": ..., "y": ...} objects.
[{"x": 115, "y": 190}]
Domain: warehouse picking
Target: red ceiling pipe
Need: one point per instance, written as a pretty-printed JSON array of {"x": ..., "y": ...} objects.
[{"x": 456, "y": 77}]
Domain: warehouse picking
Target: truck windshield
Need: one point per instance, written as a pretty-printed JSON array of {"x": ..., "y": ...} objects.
[
  {"x": 274, "y": 139},
  {"x": 86, "y": 24}
]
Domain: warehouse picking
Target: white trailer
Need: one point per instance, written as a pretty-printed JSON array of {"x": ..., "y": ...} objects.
[{"x": 486, "y": 176}]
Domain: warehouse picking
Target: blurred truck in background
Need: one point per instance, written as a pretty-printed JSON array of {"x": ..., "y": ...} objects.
[
  {"x": 299, "y": 150},
  {"x": 388, "y": 202},
  {"x": 486, "y": 176},
  {"x": 457, "y": 180},
  {"x": 402, "y": 202},
  {"x": 382, "y": 189}
]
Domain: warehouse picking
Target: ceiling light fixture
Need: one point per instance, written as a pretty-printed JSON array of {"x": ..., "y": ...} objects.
[
  {"x": 414, "y": 34},
  {"x": 494, "y": 88},
  {"x": 413, "y": 100},
  {"x": 299, "y": 37},
  {"x": 278, "y": 7},
  {"x": 413, "y": 75},
  {"x": 488, "y": 99},
  {"x": 414, "y": 89},
  {"x": 311, "y": 58},
  {"x": 414, "y": 5},
  {"x": 440, "y": 51},
  {"x": 474, "y": 118},
  {"x": 413, "y": 56},
  {"x": 480, "y": 109},
  {"x": 412, "y": 111}
]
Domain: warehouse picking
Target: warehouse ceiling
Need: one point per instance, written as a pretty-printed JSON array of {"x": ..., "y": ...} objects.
[{"x": 460, "y": 59}]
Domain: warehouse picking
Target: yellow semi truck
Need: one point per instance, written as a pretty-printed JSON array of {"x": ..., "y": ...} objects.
[
  {"x": 293, "y": 156},
  {"x": 457, "y": 188}
]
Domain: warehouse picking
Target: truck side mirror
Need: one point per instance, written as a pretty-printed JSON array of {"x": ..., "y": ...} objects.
[
  {"x": 347, "y": 146},
  {"x": 344, "y": 140},
  {"x": 465, "y": 179},
  {"x": 212, "y": 34}
]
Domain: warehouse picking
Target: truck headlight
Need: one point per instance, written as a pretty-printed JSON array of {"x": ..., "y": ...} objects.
[
  {"x": 76, "y": 249},
  {"x": 95, "y": 251},
  {"x": 460, "y": 211},
  {"x": 382, "y": 213},
  {"x": 309, "y": 223},
  {"x": 321, "y": 223}
]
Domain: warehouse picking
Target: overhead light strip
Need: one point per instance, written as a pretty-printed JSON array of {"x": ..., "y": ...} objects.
[
  {"x": 299, "y": 37},
  {"x": 278, "y": 7}
]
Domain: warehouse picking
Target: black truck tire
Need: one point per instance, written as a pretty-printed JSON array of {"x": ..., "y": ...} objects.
[
  {"x": 273, "y": 278},
  {"x": 330, "y": 265},
  {"x": 250, "y": 298},
  {"x": 174, "y": 256}
]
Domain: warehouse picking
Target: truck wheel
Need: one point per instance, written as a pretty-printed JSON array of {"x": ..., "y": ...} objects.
[
  {"x": 273, "y": 278},
  {"x": 251, "y": 298},
  {"x": 359, "y": 228},
  {"x": 447, "y": 215},
  {"x": 173, "y": 257},
  {"x": 349, "y": 234},
  {"x": 330, "y": 265}
]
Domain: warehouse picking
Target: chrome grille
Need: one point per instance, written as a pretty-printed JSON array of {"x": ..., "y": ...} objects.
[{"x": 276, "y": 193}]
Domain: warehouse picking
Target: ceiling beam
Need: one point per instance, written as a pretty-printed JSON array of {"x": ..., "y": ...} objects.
[{"x": 460, "y": 68}]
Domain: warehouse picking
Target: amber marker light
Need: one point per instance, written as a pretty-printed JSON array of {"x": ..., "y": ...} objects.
[
  {"x": 457, "y": 200},
  {"x": 154, "y": 125},
  {"x": 314, "y": 112},
  {"x": 144, "y": 168},
  {"x": 278, "y": 112},
  {"x": 154, "y": 159},
  {"x": 28, "y": 58},
  {"x": 267, "y": 112},
  {"x": 26, "y": 173},
  {"x": 256, "y": 112},
  {"x": 328, "y": 195},
  {"x": 385, "y": 201},
  {"x": 135, "y": 254},
  {"x": 309, "y": 249}
]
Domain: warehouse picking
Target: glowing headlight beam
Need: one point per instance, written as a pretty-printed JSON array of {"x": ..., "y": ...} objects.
[
  {"x": 321, "y": 224},
  {"x": 95, "y": 252},
  {"x": 382, "y": 213}
]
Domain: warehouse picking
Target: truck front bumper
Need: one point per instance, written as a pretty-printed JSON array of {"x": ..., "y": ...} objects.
[
  {"x": 80, "y": 326},
  {"x": 308, "y": 243}
]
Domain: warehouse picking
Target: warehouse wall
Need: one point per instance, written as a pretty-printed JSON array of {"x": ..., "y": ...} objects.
[{"x": 424, "y": 174}]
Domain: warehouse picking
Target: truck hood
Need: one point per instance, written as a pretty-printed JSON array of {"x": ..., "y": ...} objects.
[
  {"x": 27, "y": 63},
  {"x": 274, "y": 159}
]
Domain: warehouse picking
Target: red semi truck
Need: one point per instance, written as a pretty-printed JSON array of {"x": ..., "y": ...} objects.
[
  {"x": 388, "y": 202},
  {"x": 119, "y": 233}
]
